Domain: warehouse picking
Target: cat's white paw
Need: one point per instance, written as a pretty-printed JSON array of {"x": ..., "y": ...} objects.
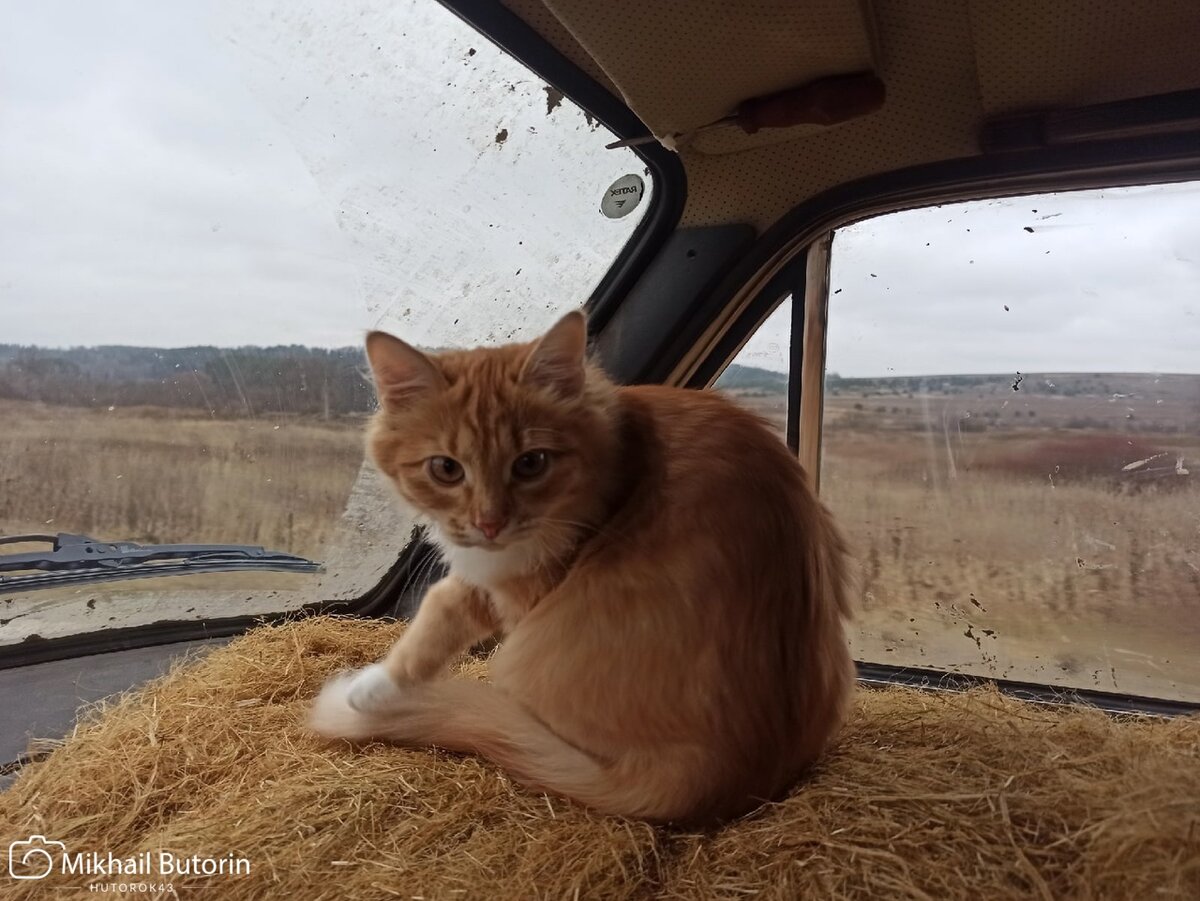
[
  {"x": 345, "y": 706},
  {"x": 372, "y": 690}
]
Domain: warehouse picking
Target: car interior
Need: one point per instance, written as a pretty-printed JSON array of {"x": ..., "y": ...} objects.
[{"x": 798, "y": 159}]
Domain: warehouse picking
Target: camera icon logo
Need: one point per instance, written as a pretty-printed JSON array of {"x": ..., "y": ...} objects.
[{"x": 33, "y": 858}]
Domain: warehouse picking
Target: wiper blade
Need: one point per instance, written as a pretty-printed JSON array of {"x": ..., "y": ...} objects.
[{"x": 78, "y": 559}]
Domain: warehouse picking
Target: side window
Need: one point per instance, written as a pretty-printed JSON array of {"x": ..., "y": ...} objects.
[
  {"x": 204, "y": 212},
  {"x": 1011, "y": 436},
  {"x": 758, "y": 376}
]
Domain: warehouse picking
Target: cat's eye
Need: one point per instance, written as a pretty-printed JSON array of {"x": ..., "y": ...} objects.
[
  {"x": 530, "y": 464},
  {"x": 446, "y": 470}
]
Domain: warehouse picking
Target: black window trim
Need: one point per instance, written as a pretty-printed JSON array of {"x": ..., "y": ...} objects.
[{"x": 882, "y": 675}]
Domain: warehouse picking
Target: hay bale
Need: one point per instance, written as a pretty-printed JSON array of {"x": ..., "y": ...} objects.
[{"x": 925, "y": 796}]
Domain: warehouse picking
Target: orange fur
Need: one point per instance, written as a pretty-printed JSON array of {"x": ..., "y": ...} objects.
[{"x": 670, "y": 592}]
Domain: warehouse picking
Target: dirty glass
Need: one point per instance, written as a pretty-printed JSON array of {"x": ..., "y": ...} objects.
[
  {"x": 204, "y": 206},
  {"x": 1012, "y": 437},
  {"x": 757, "y": 377}
]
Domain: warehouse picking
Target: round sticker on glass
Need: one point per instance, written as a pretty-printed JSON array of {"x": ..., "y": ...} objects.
[{"x": 622, "y": 196}]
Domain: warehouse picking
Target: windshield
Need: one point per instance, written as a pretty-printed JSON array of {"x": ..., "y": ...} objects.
[{"x": 204, "y": 207}]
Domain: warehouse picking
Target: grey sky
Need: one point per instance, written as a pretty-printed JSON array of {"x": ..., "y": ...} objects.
[
  {"x": 143, "y": 199},
  {"x": 269, "y": 172},
  {"x": 1105, "y": 281}
]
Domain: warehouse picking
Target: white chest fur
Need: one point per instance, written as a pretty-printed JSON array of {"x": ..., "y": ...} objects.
[{"x": 489, "y": 570}]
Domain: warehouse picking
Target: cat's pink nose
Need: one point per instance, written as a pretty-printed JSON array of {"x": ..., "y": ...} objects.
[{"x": 491, "y": 527}]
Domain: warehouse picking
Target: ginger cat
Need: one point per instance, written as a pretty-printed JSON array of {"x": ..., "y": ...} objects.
[{"x": 669, "y": 591}]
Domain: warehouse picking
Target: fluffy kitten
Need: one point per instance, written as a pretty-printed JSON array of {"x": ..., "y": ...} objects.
[{"x": 669, "y": 590}]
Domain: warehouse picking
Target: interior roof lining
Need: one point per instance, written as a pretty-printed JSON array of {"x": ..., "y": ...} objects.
[{"x": 948, "y": 64}]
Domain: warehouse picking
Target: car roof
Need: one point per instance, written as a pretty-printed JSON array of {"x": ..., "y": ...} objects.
[{"x": 950, "y": 67}]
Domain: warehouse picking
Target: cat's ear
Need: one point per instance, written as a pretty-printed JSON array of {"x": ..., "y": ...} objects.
[
  {"x": 557, "y": 360},
  {"x": 402, "y": 373}
]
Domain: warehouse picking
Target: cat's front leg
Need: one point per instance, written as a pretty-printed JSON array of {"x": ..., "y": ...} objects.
[{"x": 452, "y": 617}]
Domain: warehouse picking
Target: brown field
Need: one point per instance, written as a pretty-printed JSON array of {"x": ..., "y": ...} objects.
[
  {"x": 1101, "y": 581},
  {"x": 156, "y": 475},
  {"x": 1016, "y": 545}
]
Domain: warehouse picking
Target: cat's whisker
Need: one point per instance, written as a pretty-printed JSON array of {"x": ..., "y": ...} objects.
[{"x": 549, "y": 557}]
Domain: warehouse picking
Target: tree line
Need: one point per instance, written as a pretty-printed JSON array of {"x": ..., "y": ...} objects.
[{"x": 242, "y": 381}]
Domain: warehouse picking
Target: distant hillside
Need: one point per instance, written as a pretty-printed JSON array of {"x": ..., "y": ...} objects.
[
  {"x": 242, "y": 380},
  {"x": 1046, "y": 384},
  {"x": 737, "y": 377},
  {"x": 227, "y": 381},
  {"x": 304, "y": 380}
]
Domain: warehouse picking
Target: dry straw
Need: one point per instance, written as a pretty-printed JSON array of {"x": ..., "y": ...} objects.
[{"x": 925, "y": 796}]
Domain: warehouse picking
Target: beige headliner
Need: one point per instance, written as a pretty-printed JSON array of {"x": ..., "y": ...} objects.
[{"x": 948, "y": 65}]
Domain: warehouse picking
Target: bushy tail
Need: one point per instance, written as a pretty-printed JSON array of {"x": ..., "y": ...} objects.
[
  {"x": 829, "y": 578},
  {"x": 476, "y": 718}
]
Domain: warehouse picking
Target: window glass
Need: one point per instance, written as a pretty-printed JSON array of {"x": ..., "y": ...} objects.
[
  {"x": 203, "y": 207},
  {"x": 758, "y": 376},
  {"x": 1012, "y": 436}
]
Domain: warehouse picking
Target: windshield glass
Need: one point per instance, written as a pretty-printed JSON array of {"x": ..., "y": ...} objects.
[{"x": 204, "y": 207}]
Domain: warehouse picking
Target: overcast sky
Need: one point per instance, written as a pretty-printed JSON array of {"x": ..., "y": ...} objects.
[
  {"x": 261, "y": 172},
  {"x": 1087, "y": 281},
  {"x": 1100, "y": 280}
]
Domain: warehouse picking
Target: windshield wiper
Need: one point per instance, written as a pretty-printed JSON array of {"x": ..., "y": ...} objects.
[{"x": 78, "y": 559}]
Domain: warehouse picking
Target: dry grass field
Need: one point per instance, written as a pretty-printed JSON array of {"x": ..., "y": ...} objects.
[
  {"x": 1078, "y": 582},
  {"x": 155, "y": 475},
  {"x": 999, "y": 533}
]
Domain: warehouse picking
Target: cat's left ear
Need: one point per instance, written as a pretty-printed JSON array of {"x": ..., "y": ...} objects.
[{"x": 557, "y": 360}]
